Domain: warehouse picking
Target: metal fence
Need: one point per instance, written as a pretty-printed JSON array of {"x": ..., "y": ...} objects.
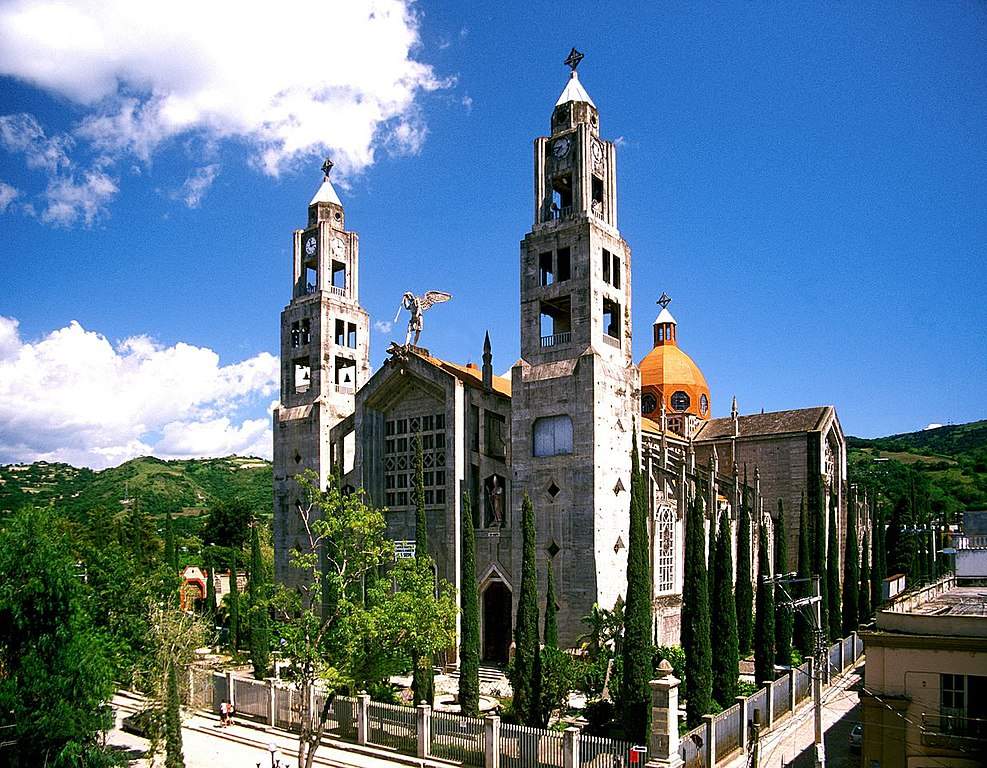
[
  {"x": 757, "y": 702},
  {"x": 393, "y": 726},
  {"x": 523, "y": 747},
  {"x": 726, "y": 731},
  {"x": 848, "y": 650},
  {"x": 601, "y": 752},
  {"x": 457, "y": 738},
  {"x": 834, "y": 658},
  {"x": 341, "y": 718},
  {"x": 780, "y": 692},
  {"x": 803, "y": 683},
  {"x": 858, "y": 646},
  {"x": 692, "y": 747},
  {"x": 252, "y": 697},
  {"x": 286, "y": 709}
]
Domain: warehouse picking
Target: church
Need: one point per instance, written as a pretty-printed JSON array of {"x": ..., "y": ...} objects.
[{"x": 559, "y": 430}]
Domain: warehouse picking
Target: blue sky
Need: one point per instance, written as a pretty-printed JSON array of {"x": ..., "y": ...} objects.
[{"x": 808, "y": 182}]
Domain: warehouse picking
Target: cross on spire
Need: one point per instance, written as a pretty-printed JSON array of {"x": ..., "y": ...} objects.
[
  {"x": 664, "y": 300},
  {"x": 327, "y": 167},
  {"x": 573, "y": 59}
]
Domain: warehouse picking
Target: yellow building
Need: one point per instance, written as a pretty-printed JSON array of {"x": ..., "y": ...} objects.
[{"x": 925, "y": 685}]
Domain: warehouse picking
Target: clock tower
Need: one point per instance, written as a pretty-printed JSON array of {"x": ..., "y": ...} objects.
[
  {"x": 325, "y": 358},
  {"x": 576, "y": 387}
]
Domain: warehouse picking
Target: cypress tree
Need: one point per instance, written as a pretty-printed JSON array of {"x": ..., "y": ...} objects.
[
  {"x": 469, "y": 643},
  {"x": 710, "y": 554},
  {"x": 171, "y": 547},
  {"x": 259, "y": 639},
  {"x": 423, "y": 673},
  {"x": 899, "y": 547},
  {"x": 863, "y": 595},
  {"x": 764, "y": 626},
  {"x": 802, "y": 635},
  {"x": 819, "y": 555},
  {"x": 551, "y": 610},
  {"x": 210, "y": 608},
  {"x": 233, "y": 599},
  {"x": 526, "y": 674},
  {"x": 933, "y": 563},
  {"x": 635, "y": 693},
  {"x": 726, "y": 653},
  {"x": 696, "y": 617},
  {"x": 745, "y": 594},
  {"x": 879, "y": 560},
  {"x": 851, "y": 574},
  {"x": 833, "y": 573},
  {"x": 784, "y": 618},
  {"x": 173, "y": 722}
]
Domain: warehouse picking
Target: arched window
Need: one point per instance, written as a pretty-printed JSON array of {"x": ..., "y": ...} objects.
[{"x": 552, "y": 436}]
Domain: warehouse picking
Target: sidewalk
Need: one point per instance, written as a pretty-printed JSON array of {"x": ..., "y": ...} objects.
[
  {"x": 206, "y": 745},
  {"x": 793, "y": 738}
]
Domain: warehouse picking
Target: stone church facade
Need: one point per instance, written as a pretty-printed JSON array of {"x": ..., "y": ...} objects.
[{"x": 559, "y": 430}]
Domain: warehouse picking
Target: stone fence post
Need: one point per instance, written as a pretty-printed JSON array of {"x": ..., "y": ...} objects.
[
  {"x": 742, "y": 726},
  {"x": 272, "y": 703},
  {"x": 424, "y": 713},
  {"x": 791, "y": 689},
  {"x": 570, "y": 747},
  {"x": 230, "y": 677},
  {"x": 663, "y": 746},
  {"x": 362, "y": 718},
  {"x": 491, "y": 742},
  {"x": 710, "y": 721},
  {"x": 842, "y": 655}
]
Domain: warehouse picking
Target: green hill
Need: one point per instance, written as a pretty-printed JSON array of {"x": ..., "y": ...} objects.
[
  {"x": 946, "y": 464},
  {"x": 184, "y": 487}
]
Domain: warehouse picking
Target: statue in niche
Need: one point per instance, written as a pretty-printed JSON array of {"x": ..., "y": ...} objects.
[
  {"x": 416, "y": 306},
  {"x": 495, "y": 501}
]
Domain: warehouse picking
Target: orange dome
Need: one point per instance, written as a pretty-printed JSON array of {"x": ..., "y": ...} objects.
[{"x": 668, "y": 374}]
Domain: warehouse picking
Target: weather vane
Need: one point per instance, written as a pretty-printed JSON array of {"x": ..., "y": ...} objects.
[
  {"x": 664, "y": 300},
  {"x": 573, "y": 59},
  {"x": 327, "y": 167}
]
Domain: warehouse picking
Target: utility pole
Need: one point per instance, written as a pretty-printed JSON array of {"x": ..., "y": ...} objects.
[{"x": 813, "y": 607}]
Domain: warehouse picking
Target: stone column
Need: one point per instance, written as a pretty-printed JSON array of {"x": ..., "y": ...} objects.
[
  {"x": 424, "y": 714},
  {"x": 769, "y": 707},
  {"x": 570, "y": 748},
  {"x": 272, "y": 705},
  {"x": 744, "y": 736},
  {"x": 710, "y": 746},
  {"x": 663, "y": 746},
  {"x": 362, "y": 718},
  {"x": 491, "y": 742}
]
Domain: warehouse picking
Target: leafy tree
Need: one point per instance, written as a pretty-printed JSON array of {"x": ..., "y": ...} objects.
[
  {"x": 726, "y": 654},
  {"x": 423, "y": 673},
  {"x": 802, "y": 635},
  {"x": 173, "y": 723},
  {"x": 635, "y": 692},
  {"x": 558, "y": 678},
  {"x": 526, "y": 671},
  {"x": 228, "y": 524},
  {"x": 745, "y": 595},
  {"x": 259, "y": 606},
  {"x": 851, "y": 574},
  {"x": 819, "y": 553},
  {"x": 233, "y": 603},
  {"x": 139, "y": 535},
  {"x": 327, "y": 645},
  {"x": 833, "y": 573},
  {"x": 764, "y": 626},
  {"x": 863, "y": 594},
  {"x": 171, "y": 546},
  {"x": 696, "y": 617},
  {"x": 469, "y": 643},
  {"x": 551, "y": 609},
  {"x": 56, "y": 674},
  {"x": 784, "y": 617}
]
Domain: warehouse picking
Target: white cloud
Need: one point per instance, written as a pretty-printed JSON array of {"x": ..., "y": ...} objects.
[
  {"x": 74, "y": 396},
  {"x": 22, "y": 133},
  {"x": 383, "y": 326},
  {"x": 7, "y": 195},
  {"x": 68, "y": 200},
  {"x": 313, "y": 77},
  {"x": 198, "y": 183}
]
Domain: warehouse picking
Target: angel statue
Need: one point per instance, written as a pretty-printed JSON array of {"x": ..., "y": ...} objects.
[{"x": 416, "y": 306}]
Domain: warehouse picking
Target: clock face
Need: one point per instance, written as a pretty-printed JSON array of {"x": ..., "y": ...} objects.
[
  {"x": 338, "y": 247},
  {"x": 311, "y": 246},
  {"x": 680, "y": 401},
  {"x": 561, "y": 148},
  {"x": 597, "y": 153},
  {"x": 648, "y": 403}
]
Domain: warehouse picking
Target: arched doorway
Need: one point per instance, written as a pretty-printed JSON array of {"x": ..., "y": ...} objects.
[{"x": 496, "y": 622}]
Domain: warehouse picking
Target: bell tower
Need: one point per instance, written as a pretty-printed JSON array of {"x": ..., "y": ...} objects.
[
  {"x": 325, "y": 357},
  {"x": 575, "y": 388}
]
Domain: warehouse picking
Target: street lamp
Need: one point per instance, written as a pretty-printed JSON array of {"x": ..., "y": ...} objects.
[{"x": 275, "y": 755}]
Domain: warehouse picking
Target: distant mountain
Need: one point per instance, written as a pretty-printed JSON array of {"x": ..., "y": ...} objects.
[
  {"x": 184, "y": 487},
  {"x": 948, "y": 463}
]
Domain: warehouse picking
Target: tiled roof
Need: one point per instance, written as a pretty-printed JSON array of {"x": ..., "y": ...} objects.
[
  {"x": 470, "y": 376},
  {"x": 775, "y": 423}
]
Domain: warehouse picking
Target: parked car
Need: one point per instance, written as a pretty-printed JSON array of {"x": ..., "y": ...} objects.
[{"x": 856, "y": 738}]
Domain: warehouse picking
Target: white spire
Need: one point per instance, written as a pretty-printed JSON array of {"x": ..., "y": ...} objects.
[
  {"x": 664, "y": 317},
  {"x": 574, "y": 91},
  {"x": 326, "y": 194}
]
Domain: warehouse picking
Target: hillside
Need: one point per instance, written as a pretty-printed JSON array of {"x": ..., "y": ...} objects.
[
  {"x": 949, "y": 463},
  {"x": 185, "y": 487}
]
